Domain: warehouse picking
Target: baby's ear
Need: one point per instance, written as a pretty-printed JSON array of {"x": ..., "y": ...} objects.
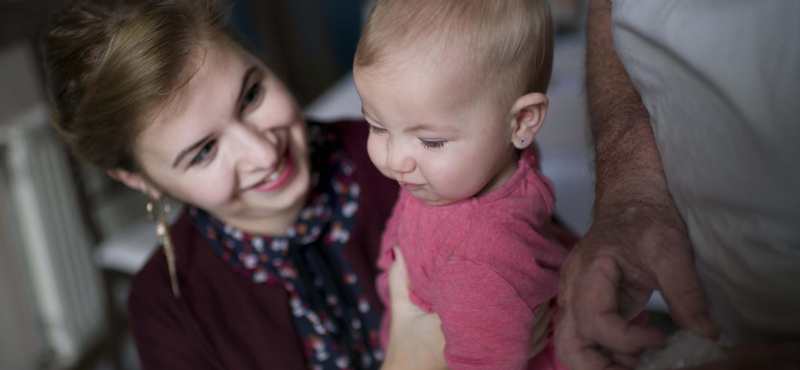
[{"x": 527, "y": 114}]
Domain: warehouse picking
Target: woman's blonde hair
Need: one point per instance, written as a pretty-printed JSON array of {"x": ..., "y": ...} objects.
[{"x": 111, "y": 63}]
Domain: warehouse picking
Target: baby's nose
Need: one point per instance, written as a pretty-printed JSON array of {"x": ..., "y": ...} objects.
[{"x": 400, "y": 162}]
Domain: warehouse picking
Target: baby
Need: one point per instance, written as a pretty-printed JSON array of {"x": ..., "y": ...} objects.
[{"x": 453, "y": 91}]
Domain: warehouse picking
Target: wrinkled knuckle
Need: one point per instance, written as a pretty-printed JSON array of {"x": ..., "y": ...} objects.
[{"x": 584, "y": 327}]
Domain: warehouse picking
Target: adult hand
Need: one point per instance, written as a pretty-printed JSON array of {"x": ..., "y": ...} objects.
[
  {"x": 630, "y": 250},
  {"x": 638, "y": 242},
  {"x": 785, "y": 356},
  {"x": 416, "y": 340}
]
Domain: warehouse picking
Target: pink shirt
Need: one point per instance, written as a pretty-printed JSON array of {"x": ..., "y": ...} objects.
[{"x": 483, "y": 266}]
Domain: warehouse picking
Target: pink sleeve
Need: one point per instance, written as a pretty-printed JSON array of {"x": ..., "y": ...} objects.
[{"x": 485, "y": 322}]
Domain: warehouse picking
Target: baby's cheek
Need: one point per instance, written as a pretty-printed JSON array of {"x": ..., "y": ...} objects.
[
  {"x": 445, "y": 174},
  {"x": 455, "y": 178},
  {"x": 377, "y": 154}
]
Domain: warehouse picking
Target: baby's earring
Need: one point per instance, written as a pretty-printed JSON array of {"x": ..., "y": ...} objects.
[{"x": 523, "y": 142}]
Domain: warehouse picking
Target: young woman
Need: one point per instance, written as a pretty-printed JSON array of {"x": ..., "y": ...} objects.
[{"x": 271, "y": 264}]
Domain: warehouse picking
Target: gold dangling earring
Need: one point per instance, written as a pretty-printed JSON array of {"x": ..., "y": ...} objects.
[{"x": 162, "y": 229}]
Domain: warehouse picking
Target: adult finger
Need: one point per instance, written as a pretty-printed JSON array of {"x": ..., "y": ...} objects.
[
  {"x": 398, "y": 277},
  {"x": 544, "y": 316},
  {"x": 576, "y": 352},
  {"x": 538, "y": 346},
  {"x": 402, "y": 307},
  {"x": 597, "y": 312},
  {"x": 625, "y": 360},
  {"x": 582, "y": 357},
  {"x": 684, "y": 295},
  {"x": 541, "y": 330}
]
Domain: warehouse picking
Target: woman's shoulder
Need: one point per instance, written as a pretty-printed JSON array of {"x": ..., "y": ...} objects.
[
  {"x": 185, "y": 332},
  {"x": 154, "y": 311},
  {"x": 153, "y": 279}
]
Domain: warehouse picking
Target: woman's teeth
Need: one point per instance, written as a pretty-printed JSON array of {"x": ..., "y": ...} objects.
[{"x": 277, "y": 173}]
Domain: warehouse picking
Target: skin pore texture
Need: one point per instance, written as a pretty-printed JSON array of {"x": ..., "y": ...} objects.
[
  {"x": 232, "y": 142},
  {"x": 438, "y": 129}
]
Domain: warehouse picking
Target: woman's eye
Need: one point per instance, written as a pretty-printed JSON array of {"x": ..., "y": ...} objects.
[
  {"x": 252, "y": 95},
  {"x": 204, "y": 154},
  {"x": 377, "y": 130},
  {"x": 433, "y": 144}
]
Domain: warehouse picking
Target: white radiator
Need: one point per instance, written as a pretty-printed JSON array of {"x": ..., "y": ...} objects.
[{"x": 66, "y": 285}]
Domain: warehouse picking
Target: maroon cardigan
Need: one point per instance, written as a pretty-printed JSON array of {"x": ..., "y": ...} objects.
[{"x": 224, "y": 320}]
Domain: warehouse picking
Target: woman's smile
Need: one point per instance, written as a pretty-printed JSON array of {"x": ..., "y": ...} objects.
[{"x": 279, "y": 177}]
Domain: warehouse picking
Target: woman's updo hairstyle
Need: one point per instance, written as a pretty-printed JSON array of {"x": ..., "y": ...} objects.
[{"x": 111, "y": 64}]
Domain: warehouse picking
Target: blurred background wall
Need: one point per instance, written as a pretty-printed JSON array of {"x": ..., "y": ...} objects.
[{"x": 70, "y": 238}]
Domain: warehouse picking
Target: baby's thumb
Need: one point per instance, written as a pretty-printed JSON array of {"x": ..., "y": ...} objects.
[{"x": 687, "y": 301}]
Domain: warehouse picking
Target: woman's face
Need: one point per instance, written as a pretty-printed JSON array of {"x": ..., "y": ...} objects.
[{"x": 232, "y": 142}]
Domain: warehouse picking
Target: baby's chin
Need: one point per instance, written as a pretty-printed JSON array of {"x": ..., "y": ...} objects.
[{"x": 433, "y": 199}]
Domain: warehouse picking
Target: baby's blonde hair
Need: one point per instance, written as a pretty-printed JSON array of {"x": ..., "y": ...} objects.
[{"x": 511, "y": 40}]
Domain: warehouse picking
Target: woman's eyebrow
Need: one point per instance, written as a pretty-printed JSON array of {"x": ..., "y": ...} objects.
[
  {"x": 202, "y": 141},
  {"x": 246, "y": 77},
  {"x": 188, "y": 150}
]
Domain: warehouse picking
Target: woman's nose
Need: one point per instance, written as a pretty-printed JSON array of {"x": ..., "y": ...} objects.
[
  {"x": 399, "y": 161},
  {"x": 256, "y": 150}
]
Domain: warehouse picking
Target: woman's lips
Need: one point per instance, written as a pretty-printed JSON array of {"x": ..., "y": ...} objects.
[
  {"x": 409, "y": 186},
  {"x": 280, "y": 177}
]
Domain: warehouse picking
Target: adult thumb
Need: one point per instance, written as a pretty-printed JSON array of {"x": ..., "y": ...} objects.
[
  {"x": 398, "y": 277},
  {"x": 686, "y": 297}
]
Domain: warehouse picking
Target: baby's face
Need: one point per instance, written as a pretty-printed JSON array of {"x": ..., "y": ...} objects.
[{"x": 435, "y": 129}]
